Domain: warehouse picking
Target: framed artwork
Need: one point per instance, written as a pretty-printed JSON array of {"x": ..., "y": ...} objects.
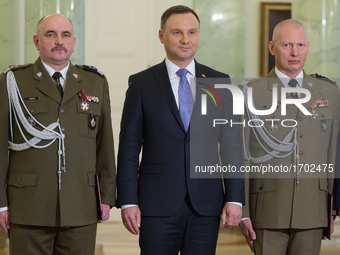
[{"x": 270, "y": 15}]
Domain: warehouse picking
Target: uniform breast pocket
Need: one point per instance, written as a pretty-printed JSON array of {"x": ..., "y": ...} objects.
[
  {"x": 321, "y": 122},
  {"x": 38, "y": 112},
  {"x": 88, "y": 119}
]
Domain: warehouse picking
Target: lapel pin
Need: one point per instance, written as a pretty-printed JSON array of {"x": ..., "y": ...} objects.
[
  {"x": 39, "y": 74},
  {"x": 75, "y": 75},
  {"x": 203, "y": 75}
]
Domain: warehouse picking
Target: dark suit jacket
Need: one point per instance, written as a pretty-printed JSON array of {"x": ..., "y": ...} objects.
[
  {"x": 336, "y": 192},
  {"x": 151, "y": 122},
  {"x": 31, "y": 177}
]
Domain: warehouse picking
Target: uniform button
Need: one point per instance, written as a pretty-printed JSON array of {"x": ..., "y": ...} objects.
[
  {"x": 301, "y": 152},
  {"x": 21, "y": 182},
  {"x": 300, "y": 135},
  {"x": 62, "y": 110},
  {"x": 300, "y": 118},
  {"x": 260, "y": 188}
]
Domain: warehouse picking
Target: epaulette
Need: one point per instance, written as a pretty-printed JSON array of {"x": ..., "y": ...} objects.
[
  {"x": 324, "y": 78},
  {"x": 16, "y": 67},
  {"x": 91, "y": 69},
  {"x": 251, "y": 80}
]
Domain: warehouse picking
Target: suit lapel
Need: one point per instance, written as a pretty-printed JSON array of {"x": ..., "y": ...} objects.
[
  {"x": 162, "y": 78},
  {"x": 73, "y": 83},
  {"x": 45, "y": 82}
]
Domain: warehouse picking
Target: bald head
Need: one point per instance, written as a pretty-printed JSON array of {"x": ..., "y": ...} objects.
[
  {"x": 55, "y": 40},
  {"x": 55, "y": 15},
  {"x": 291, "y": 23},
  {"x": 289, "y": 47}
]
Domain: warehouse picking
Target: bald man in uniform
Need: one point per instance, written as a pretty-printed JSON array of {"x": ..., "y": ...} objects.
[
  {"x": 48, "y": 178},
  {"x": 286, "y": 212}
]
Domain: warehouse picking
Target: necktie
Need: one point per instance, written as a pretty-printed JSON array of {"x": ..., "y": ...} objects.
[
  {"x": 292, "y": 83},
  {"x": 185, "y": 98},
  {"x": 56, "y": 76}
]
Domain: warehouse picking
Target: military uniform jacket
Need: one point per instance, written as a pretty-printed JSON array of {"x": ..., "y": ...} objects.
[
  {"x": 29, "y": 179},
  {"x": 283, "y": 202}
]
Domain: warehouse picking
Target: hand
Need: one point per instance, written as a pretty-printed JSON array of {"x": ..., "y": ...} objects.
[
  {"x": 331, "y": 227},
  {"x": 234, "y": 214},
  {"x": 131, "y": 217},
  {"x": 248, "y": 232},
  {"x": 4, "y": 221},
  {"x": 105, "y": 213}
]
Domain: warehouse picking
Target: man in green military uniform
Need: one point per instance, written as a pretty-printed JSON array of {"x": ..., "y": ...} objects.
[
  {"x": 55, "y": 141},
  {"x": 287, "y": 209}
]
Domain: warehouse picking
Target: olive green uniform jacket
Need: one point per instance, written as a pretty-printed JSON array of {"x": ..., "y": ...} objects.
[
  {"x": 29, "y": 179},
  {"x": 278, "y": 203}
]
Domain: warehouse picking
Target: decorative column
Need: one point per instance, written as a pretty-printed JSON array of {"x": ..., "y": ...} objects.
[{"x": 321, "y": 19}]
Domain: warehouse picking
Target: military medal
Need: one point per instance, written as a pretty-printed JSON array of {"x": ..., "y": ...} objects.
[
  {"x": 323, "y": 102},
  {"x": 84, "y": 106},
  {"x": 84, "y": 97},
  {"x": 92, "y": 122}
]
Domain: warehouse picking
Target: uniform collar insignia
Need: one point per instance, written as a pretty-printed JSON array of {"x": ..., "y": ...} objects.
[{"x": 39, "y": 74}]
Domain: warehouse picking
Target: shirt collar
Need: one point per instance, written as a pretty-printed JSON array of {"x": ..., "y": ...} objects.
[
  {"x": 285, "y": 79},
  {"x": 51, "y": 71},
  {"x": 172, "y": 68}
]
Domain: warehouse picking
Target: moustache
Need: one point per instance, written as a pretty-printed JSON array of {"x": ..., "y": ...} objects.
[{"x": 59, "y": 47}]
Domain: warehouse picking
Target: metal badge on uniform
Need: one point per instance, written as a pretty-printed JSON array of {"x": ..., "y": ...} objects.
[
  {"x": 273, "y": 128},
  {"x": 323, "y": 126},
  {"x": 31, "y": 121},
  {"x": 92, "y": 122}
]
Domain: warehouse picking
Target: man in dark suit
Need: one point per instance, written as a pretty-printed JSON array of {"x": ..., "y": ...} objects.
[
  {"x": 171, "y": 211},
  {"x": 48, "y": 185}
]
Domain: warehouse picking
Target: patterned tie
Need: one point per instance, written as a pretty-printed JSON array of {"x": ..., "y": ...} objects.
[
  {"x": 185, "y": 98},
  {"x": 56, "y": 76},
  {"x": 292, "y": 83}
]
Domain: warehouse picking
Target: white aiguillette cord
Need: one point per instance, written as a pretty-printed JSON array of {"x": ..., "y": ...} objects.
[
  {"x": 48, "y": 134},
  {"x": 277, "y": 146}
]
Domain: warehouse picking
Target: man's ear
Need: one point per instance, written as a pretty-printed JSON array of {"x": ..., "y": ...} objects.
[
  {"x": 161, "y": 36},
  {"x": 272, "y": 48}
]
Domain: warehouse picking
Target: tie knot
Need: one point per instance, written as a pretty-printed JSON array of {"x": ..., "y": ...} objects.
[
  {"x": 56, "y": 75},
  {"x": 292, "y": 83},
  {"x": 182, "y": 72}
]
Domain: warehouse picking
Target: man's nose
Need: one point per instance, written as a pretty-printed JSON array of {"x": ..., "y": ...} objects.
[{"x": 294, "y": 51}]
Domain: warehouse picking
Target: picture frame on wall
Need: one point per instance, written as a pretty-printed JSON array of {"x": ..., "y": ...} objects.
[{"x": 270, "y": 15}]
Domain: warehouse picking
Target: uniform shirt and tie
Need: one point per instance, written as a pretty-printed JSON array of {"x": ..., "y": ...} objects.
[
  {"x": 63, "y": 73},
  {"x": 287, "y": 81}
]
